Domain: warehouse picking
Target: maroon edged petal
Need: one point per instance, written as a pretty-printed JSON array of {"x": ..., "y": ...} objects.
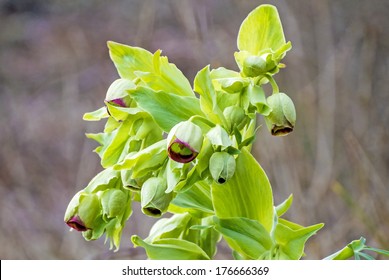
[
  {"x": 76, "y": 223},
  {"x": 119, "y": 102},
  {"x": 181, "y": 151}
]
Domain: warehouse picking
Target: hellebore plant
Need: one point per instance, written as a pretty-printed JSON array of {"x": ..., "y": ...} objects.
[{"x": 175, "y": 152}]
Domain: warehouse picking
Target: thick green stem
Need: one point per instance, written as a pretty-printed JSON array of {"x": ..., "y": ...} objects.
[{"x": 273, "y": 84}]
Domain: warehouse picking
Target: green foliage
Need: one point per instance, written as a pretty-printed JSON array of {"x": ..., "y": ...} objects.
[{"x": 204, "y": 173}]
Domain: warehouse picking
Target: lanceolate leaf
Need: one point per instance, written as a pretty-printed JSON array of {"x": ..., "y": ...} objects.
[{"x": 247, "y": 194}]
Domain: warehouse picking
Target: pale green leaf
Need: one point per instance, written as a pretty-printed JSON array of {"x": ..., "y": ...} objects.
[
  {"x": 144, "y": 161},
  {"x": 167, "y": 109},
  {"x": 198, "y": 197},
  {"x": 291, "y": 242},
  {"x": 171, "y": 249},
  {"x": 172, "y": 227},
  {"x": 247, "y": 194},
  {"x": 203, "y": 86},
  {"x": 208, "y": 236},
  {"x": 128, "y": 59},
  {"x": 247, "y": 237},
  {"x": 114, "y": 148},
  {"x": 166, "y": 77},
  {"x": 262, "y": 29},
  {"x": 103, "y": 180}
]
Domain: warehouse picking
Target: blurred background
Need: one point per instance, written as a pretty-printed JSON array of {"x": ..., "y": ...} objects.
[{"x": 54, "y": 66}]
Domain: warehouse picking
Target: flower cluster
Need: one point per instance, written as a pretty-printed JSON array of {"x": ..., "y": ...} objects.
[{"x": 187, "y": 154}]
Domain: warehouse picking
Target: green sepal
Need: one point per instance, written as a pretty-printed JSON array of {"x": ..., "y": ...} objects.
[{"x": 89, "y": 209}]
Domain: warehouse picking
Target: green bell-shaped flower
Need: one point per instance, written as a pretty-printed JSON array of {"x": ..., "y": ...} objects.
[
  {"x": 184, "y": 142},
  {"x": 222, "y": 167},
  {"x": 154, "y": 199},
  {"x": 83, "y": 211},
  {"x": 282, "y": 119}
]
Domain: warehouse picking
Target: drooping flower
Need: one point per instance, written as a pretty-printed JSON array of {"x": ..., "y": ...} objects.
[
  {"x": 76, "y": 223},
  {"x": 282, "y": 119},
  {"x": 184, "y": 142},
  {"x": 154, "y": 199},
  {"x": 222, "y": 166}
]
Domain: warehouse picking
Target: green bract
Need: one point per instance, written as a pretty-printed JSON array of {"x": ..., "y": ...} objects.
[{"x": 190, "y": 154}]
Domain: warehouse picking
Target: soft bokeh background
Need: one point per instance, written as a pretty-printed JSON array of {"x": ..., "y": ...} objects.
[{"x": 54, "y": 66}]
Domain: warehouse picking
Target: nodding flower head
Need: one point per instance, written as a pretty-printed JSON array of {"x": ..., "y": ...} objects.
[
  {"x": 282, "y": 119},
  {"x": 76, "y": 223},
  {"x": 184, "y": 142}
]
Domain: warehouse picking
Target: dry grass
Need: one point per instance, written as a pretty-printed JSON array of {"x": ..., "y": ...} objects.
[{"x": 55, "y": 66}]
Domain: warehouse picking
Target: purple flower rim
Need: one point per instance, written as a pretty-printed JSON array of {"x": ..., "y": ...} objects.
[
  {"x": 179, "y": 157},
  {"x": 76, "y": 223}
]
